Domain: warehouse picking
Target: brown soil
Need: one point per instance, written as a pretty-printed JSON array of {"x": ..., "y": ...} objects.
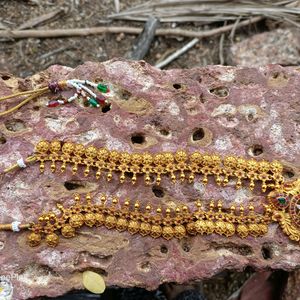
[{"x": 28, "y": 56}]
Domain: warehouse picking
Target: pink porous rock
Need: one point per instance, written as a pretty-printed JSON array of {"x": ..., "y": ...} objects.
[{"x": 250, "y": 112}]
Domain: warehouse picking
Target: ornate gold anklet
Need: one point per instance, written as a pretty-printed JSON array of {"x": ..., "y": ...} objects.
[
  {"x": 283, "y": 207},
  {"x": 179, "y": 165}
]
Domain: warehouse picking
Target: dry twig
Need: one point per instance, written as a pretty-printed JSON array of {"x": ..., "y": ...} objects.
[
  {"x": 53, "y": 33},
  {"x": 40, "y": 19},
  {"x": 142, "y": 44},
  {"x": 212, "y": 10},
  {"x": 177, "y": 53}
]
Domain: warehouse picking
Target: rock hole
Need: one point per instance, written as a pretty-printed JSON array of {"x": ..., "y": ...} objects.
[
  {"x": 198, "y": 134},
  {"x": 164, "y": 132},
  {"x": 202, "y": 98},
  {"x": 5, "y": 77},
  {"x": 36, "y": 108},
  {"x": 177, "y": 86},
  {"x": 266, "y": 252},
  {"x": 1, "y": 245},
  {"x": 106, "y": 108},
  {"x": 186, "y": 245},
  {"x": 158, "y": 191},
  {"x": 288, "y": 172},
  {"x": 221, "y": 91},
  {"x": 73, "y": 185},
  {"x": 125, "y": 95},
  {"x": 2, "y": 139},
  {"x": 250, "y": 117},
  {"x": 145, "y": 266},
  {"x": 15, "y": 125},
  {"x": 244, "y": 250},
  {"x": 138, "y": 138},
  {"x": 256, "y": 150},
  {"x": 163, "y": 249}
]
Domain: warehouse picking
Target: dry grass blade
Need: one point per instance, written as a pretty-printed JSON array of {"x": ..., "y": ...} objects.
[{"x": 212, "y": 11}]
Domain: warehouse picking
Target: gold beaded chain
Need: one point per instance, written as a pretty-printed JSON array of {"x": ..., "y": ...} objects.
[
  {"x": 283, "y": 201},
  {"x": 180, "y": 166},
  {"x": 169, "y": 224}
]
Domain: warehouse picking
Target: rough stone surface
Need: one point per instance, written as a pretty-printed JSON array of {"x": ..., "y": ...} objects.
[
  {"x": 239, "y": 109},
  {"x": 292, "y": 291},
  {"x": 279, "y": 46}
]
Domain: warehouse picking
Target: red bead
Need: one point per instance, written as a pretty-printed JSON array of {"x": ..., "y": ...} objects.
[
  {"x": 54, "y": 87},
  {"x": 101, "y": 100},
  {"x": 52, "y": 103}
]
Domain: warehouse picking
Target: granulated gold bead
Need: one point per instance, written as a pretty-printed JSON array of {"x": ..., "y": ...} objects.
[
  {"x": 67, "y": 231},
  {"x": 147, "y": 159},
  {"x": 99, "y": 219},
  {"x": 110, "y": 222},
  {"x": 114, "y": 156},
  {"x": 52, "y": 239},
  {"x": 125, "y": 158},
  {"x": 180, "y": 156},
  {"x": 145, "y": 229},
  {"x": 242, "y": 230},
  {"x": 102, "y": 154},
  {"x": 230, "y": 229},
  {"x": 34, "y": 239},
  {"x": 179, "y": 231},
  {"x": 77, "y": 220},
  {"x": 167, "y": 232},
  {"x": 122, "y": 224},
  {"x": 42, "y": 147},
  {"x": 156, "y": 231},
  {"x": 55, "y": 146},
  {"x": 200, "y": 226},
  {"x": 263, "y": 229},
  {"x": 196, "y": 158},
  {"x": 67, "y": 148},
  {"x": 89, "y": 219},
  {"x": 136, "y": 159},
  {"x": 91, "y": 152},
  {"x": 210, "y": 226},
  {"x": 79, "y": 150},
  {"x": 133, "y": 226},
  {"x": 253, "y": 229},
  {"x": 220, "y": 227},
  {"x": 191, "y": 228}
]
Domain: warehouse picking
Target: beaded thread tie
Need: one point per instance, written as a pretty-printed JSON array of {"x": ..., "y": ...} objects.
[
  {"x": 85, "y": 90},
  {"x": 177, "y": 166},
  {"x": 282, "y": 208}
]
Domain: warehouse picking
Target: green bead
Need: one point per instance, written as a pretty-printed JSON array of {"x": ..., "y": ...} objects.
[
  {"x": 102, "y": 88},
  {"x": 281, "y": 200},
  {"x": 93, "y": 102}
]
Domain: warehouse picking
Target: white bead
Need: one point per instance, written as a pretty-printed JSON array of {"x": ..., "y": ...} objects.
[
  {"x": 15, "y": 226},
  {"x": 21, "y": 163}
]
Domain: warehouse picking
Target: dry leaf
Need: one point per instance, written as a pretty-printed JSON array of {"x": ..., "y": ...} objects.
[{"x": 93, "y": 282}]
